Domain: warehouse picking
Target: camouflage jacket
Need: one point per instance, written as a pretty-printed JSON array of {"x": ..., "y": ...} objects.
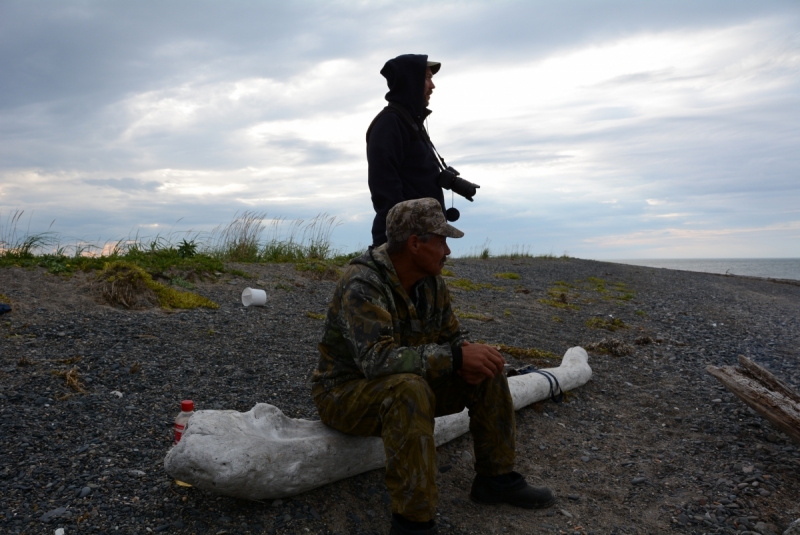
[{"x": 373, "y": 328}]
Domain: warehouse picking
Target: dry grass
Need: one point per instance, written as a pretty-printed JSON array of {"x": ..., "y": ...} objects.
[
  {"x": 612, "y": 324},
  {"x": 472, "y": 315},
  {"x": 73, "y": 380},
  {"x": 127, "y": 285},
  {"x": 523, "y": 352},
  {"x": 611, "y": 346}
]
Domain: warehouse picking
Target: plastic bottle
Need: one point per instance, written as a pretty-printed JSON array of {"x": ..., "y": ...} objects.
[{"x": 187, "y": 409}]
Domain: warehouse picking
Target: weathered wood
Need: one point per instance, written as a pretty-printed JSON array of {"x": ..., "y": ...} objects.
[
  {"x": 767, "y": 379},
  {"x": 765, "y": 393}
]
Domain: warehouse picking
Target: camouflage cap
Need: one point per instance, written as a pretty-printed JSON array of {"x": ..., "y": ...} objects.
[{"x": 418, "y": 216}]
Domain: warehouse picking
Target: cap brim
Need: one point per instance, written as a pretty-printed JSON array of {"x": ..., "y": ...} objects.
[
  {"x": 435, "y": 66},
  {"x": 449, "y": 231}
]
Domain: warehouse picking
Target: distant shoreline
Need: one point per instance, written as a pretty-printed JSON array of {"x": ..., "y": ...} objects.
[{"x": 765, "y": 268}]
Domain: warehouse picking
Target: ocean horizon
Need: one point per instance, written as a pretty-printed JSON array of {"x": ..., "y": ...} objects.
[{"x": 772, "y": 268}]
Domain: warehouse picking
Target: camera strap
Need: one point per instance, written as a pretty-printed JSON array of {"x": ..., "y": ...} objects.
[{"x": 420, "y": 131}]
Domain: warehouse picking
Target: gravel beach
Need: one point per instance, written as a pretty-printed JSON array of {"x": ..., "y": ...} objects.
[{"x": 652, "y": 444}]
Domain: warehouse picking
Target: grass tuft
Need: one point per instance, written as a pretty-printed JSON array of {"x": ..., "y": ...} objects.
[
  {"x": 612, "y": 324},
  {"x": 469, "y": 286},
  {"x": 507, "y": 275},
  {"x": 128, "y": 285},
  {"x": 72, "y": 378},
  {"x": 611, "y": 346},
  {"x": 472, "y": 315}
]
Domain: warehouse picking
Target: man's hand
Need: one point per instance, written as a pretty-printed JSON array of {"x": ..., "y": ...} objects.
[{"x": 480, "y": 362}]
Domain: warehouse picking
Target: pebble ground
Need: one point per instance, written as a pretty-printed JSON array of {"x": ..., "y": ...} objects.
[{"x": 652, "y": 444}]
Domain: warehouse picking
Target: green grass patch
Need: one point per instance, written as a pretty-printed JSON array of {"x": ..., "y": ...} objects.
[
  {"x": 183, "y": 283},
  {"x": 130, "y": 286},
  {"x": 609, "y": 324},
  {"x": 319, "y": 270},
  {"x": 4, "y": 299},
  {"x": 507, "y": 275},
  {"x": 315, "y": 315},
  {"x": 513, "y": 252},
  {"x": 469, "y": 286},
  {"x": 565, "y": 294},
  {"x": 472, "y": 315},
  {"x": 179, "y": 256},
  {"x": 447, "y": 273},
  {"x": 641, "y": 313}
]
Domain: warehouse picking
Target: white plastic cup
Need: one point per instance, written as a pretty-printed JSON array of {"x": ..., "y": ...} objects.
[{"x": 253, "y": 296}]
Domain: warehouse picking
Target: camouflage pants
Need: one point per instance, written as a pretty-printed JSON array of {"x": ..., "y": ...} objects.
[{"x": 401, "y": 409}]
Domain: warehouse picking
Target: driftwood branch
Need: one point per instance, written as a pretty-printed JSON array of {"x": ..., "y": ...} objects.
[{"x": 765, "y": 393}]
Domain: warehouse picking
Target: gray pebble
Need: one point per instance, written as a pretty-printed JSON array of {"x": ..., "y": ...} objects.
[{"x": 638, "y": 480}]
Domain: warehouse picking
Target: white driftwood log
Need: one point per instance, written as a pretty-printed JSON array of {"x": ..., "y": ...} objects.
[{"x": 263, "y": 454}]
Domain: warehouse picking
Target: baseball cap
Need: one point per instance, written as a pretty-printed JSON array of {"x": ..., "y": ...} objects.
[
  {"x": 418, "y": 216},
  {"x": 435, "y": 66}
]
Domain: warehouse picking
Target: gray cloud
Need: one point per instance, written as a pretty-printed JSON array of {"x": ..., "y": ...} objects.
[{"x": 125, "y": 184}]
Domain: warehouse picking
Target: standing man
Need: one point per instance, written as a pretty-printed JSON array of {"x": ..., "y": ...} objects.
[
  {"x": 402, "y": 165},
  {"x": 393, "y": 356}
]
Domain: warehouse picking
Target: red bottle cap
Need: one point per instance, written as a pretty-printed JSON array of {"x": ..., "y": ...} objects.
[{"x": 187, "y": 405}]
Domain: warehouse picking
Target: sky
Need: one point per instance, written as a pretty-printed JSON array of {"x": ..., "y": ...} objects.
[{"x": 597, "y": 129}]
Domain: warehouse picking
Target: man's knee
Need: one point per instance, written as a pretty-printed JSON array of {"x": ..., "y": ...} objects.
[{"x": 410, "y": 391}]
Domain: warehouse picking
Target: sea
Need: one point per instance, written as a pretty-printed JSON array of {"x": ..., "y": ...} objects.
[{"x": 774, "y": 268}]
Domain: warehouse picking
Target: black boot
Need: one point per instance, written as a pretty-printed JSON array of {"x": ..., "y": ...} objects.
[
  {"x": 512, "y": 489},
  {"x": 403, "y": 526}
]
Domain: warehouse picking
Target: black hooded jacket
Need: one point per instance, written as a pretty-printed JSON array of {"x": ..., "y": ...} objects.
[{"x": 401, "y": 164}]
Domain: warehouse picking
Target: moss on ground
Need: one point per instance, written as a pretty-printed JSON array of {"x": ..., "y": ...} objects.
[
  {"x": 569, "y": 295},
  {"x": 609, "y": 324},
  {"x": 469, "y": 286},
  {"x": 472, "y": 315},
  {"x": 507, "y": 275},
  {"x": 128, "y": 285}
]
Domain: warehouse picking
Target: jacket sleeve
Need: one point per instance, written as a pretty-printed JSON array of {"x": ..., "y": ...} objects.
[
  {"x": 369, "y": 330},
  {"x": 385, "y": 155}
]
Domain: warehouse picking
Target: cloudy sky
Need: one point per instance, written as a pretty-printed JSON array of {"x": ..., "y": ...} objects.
[{"x": 604, "y": 129}]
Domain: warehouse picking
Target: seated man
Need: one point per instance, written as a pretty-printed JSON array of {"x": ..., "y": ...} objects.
[{"x": 393, "y": 357}]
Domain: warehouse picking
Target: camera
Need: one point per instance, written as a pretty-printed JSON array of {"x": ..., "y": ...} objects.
[{"x": 449, "y": 179}]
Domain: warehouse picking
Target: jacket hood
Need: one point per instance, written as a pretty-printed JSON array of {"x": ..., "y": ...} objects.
[
  {"x": 405, "y": 76},
  {"x": 378, "y": 260}
]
